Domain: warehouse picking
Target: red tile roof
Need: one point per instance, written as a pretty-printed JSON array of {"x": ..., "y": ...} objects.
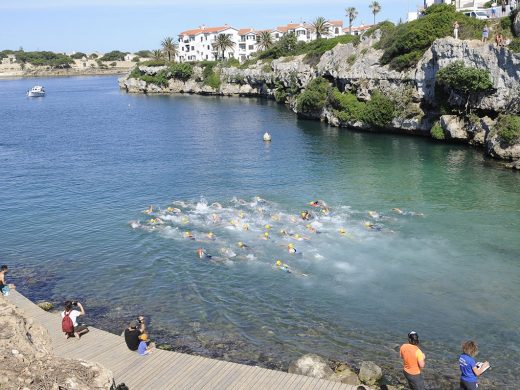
[
  {"x": 244, "y": 31},
  {"x": 205, "y": 30},
  {"x": 336, "y": 22}
]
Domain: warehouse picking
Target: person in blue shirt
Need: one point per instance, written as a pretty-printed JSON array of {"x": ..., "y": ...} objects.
[{"x": 470, "y": 370}]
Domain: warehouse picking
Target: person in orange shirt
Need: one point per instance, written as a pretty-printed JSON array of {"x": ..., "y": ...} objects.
[{"x": 413, "y": 362}]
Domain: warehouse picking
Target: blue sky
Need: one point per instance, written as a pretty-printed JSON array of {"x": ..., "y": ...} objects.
[{"x": 131, "y": 25}]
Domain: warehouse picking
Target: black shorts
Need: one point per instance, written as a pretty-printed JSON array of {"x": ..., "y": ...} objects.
[
  {"x": 416, "y": 382},
  {"x": 468, "y": 385},
  {"x": 80, "y": 328}
]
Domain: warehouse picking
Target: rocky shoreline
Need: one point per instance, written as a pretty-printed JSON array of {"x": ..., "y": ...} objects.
[
  {"x": 356, "y": 69},
  {"x": 36, "y": 72},
  {"x": 27, "y": 361}
]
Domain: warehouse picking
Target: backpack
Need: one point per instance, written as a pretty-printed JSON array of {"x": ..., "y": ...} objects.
[{"x": 66, "y": 324}]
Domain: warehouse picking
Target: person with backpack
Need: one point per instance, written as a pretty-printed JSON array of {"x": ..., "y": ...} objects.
[{"x": 69, "y": 323}]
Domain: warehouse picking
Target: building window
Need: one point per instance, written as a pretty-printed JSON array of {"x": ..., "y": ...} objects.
[
  {"x": 242, "y": 38},
  {"x": 277, "y": 35},
  {"x": 242, "y": 46},
  {"x": 201, "y": 39},
  {"x": 251, "y": 47},
  {"x": 337, "y": 30},
  {"x": 193, "y": 48},
  {"x": 192, "y": 39}
]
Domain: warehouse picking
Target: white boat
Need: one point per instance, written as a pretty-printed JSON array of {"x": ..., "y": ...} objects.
[
  {"x": 36, "y": 91},
  {"x": 267, "y": 137}
]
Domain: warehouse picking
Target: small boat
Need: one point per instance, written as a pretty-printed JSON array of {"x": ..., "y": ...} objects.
[
  {"x": 36, "y": 91},
  {"x": 267, "y": 137}
]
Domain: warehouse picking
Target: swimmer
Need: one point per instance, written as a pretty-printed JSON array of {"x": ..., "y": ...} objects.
[
  {"x": 135, "y": 224},
  {"x": 293, "y": 219},
  {"x": 267, "y": 227},
  {"x": 215, "y": 218},
  {"x": 227, "y": 252},
  {"x": 374, "y": 215},
  {"x": 397, "y": 210},
  {"x": 299, "y": 237},
  {"x": 311, "y": 229},
  {"x": 233, "y": 222},
  {"x": 241, "y": 215},
  {"x": 265, "y": 236},
  {"x": 203, "y": 254},
  {"x": 211, "y": 236},
  {"x": 241, "y": 245},
  {"x": 371, "y": 226},
  {"x": 325, "y": 211},
  {"x": 185, "y": 220},
  {"x": 342, "y": 232},
  {"x": 283, "y": 267},
  {"x": 149, "y": 210},
  {"x": 283, "y": 232},
  {"x": 305, "y": 215},
  {"x": 189, "y": 236},
  {"x": 275, "y": 217},
  {"x": 291, "y": 249},
  {"x": 245, "y": 226},
  {"x": 216, "y": 205},
  {"x": 173, "y": 210},
  {"x": 154, "y": 221}
]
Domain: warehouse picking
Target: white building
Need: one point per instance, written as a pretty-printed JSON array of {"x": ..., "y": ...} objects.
[
  {"x": 358, "y": 30},
  {"x": 247, "y": 44},
  {"x": 197, "y": 44}
]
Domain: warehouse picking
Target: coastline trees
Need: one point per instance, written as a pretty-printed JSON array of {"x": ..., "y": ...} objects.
[
  {"x": 157, "y": 55},
  {"x": 375, "y": 7},
  {"x": 265, "y": 40},
  {"x": 320, "y": 26},
  {"x": 351, "y": 13},
  {"x": 168, "y": 46},
  {"x": 222, "y": 43}
]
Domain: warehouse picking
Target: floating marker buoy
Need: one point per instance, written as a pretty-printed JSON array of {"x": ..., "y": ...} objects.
[{"x": 267, "y": 137}]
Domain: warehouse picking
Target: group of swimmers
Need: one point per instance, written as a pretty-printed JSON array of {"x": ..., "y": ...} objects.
[{"x": 306, "y": 220}]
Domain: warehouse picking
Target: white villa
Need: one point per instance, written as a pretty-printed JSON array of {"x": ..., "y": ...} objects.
[{"x": 197, "y": 44}]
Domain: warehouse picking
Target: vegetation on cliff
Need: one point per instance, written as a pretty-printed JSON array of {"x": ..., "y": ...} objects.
[
  {"x": 43, "y": 58},
  {"x": 508, "y": 128}
]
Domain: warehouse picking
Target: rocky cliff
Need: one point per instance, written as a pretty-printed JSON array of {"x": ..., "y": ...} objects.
[
  {"x": 26, "y": 360},
  {"x": 356, "y": 68}
]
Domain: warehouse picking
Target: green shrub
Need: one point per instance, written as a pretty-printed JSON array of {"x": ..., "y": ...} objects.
[
  {"x": 135, "y": 73},
  {"x": 346, "y": 106},
  {"x": 153, "y": 63},
  {"x": 351, "y": 59},
  {"x": 267, "y": 68},
  {"x": 213, "y": 81},
  {"x": 112, "y": 64},
  {"x": 78, "y": 56},
  {"x": 506, "y": 24},
  {"x": 160, "y": 78},
  {"x": 436, "y": 131},
  {"x": 514, "y": 46},
  {"x": 508, "y": 128},
  {"x": 379, "y": 110},
  {"x": 44, "y": 58},
  {"x": 231, "y": 63},
  {"x": 314, "y": 98},
  {"x": 144, "y": 53},
  {"x": 280, "y": 95},
  {"x": 404, "y": 45},
  {"x": 114, "y": 55},
  {"x": 456, "y": 76},
  {"x": 181, "y": 71}
]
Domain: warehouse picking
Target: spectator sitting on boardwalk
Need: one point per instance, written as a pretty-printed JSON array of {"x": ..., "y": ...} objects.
[
  {"x": 413, "y": 362},
  {"x": 145, "y": 347},
  {"x": 132, "y": 333},
  {"x": 4, "y": 287},
  {"x": 69, "y": 320}
]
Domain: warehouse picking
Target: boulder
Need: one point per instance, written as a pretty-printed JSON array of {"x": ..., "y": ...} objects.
[
  {"x": 47, "y": 306},
  {"x": 498, "y": 149},
  {"x": 370, "y": 373},
  {"x": 514, "y": 165},
  {"x": 311, "y": 365},
  {"x": 345, "y": 374},
  {"x": 454, "y": 127}
]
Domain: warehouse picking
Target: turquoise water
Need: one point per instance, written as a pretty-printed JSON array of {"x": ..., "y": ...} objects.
[{"x": 78, "y": 167}]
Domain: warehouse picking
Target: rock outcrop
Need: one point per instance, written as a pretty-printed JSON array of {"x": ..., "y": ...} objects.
[
  {"x": 370, "y": 373},
  {"x": 356, "y": 68},
  {"x": 311, "y": 365},
  {"x": 26, "y": 360},
  {"x": 516, "y": 25}
]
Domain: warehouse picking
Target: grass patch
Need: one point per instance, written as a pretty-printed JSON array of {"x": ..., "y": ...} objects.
[
  {"x": 436, "y": 131},
  {"x": 508, "y": 128}
]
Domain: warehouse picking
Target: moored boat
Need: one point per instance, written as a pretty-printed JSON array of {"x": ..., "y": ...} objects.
[{"x": 36, "y": 91}]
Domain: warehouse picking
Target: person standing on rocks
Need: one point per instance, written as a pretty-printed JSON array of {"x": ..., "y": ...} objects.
[
  {"x": 485, "y": 33},
  {"x": 132, "y": 333},
  {"x": 470, "y": 370},
  {"x": 4, "y": 287},
  {"x": 456, "y": 30},
  {"x": 413, "y": 362}
]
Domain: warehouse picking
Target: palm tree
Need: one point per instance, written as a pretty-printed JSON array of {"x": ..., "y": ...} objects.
[
  {"x": 320, "y": 26},
  {"x": 168, "y": 45},
  {"x": 265, "y": 40},
  {"x": 351, "y": 14},
  {"x": 222, "y": 43},
  {"x": 158, "y": 55},
  {"x": 375, "y": 7}
]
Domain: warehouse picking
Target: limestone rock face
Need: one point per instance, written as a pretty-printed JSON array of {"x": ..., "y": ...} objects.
[
  {"x": 496, "y": 148},
  {"x": 27, "y": 362},
  {"x": 370, "y": 373},
  {"x": 454, "y": 127},
  {"x": 516, "y": 25},
  {"x": 311, "y": 365}
]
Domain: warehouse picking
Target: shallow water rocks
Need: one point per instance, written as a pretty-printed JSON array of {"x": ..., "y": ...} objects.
[
  {"x": 47, "y": 306},
  {"x": 370, "y": 373},
  {"x": 345, "y": 374},
  {"x": 311, "y": 365},
  {"x": 496, "y": 148},
  {"x": 514, "y": 165}
]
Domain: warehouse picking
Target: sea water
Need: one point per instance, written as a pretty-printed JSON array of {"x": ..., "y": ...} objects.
[{"x": 79, "y": 168}]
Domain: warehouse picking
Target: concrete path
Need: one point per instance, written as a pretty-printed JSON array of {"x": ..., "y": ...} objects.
[{"x": 165, "y": 369}]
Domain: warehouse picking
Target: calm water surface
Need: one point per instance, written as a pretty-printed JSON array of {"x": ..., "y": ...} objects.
[{"x": 78, "y": 166}]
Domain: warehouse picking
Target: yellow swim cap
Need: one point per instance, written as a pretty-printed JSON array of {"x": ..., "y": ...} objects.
[
  {"x": 267, "y": 226},
  {"x": 278, "y": 263},
  {"x": 296, "y": 236},
  {"x": 245, "y": 226},
  {"x": 290, "y": 245},
  {"x": 266, "y": 234}
]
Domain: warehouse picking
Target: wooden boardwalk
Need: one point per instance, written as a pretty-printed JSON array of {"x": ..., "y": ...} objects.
[{"x": 165, "y": 369}]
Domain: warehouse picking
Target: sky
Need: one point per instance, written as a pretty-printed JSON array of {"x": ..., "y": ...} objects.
[{"x": 132, "y": 25}]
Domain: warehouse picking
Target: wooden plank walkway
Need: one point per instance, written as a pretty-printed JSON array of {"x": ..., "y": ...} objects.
[{"x": 165, "y": 369}]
